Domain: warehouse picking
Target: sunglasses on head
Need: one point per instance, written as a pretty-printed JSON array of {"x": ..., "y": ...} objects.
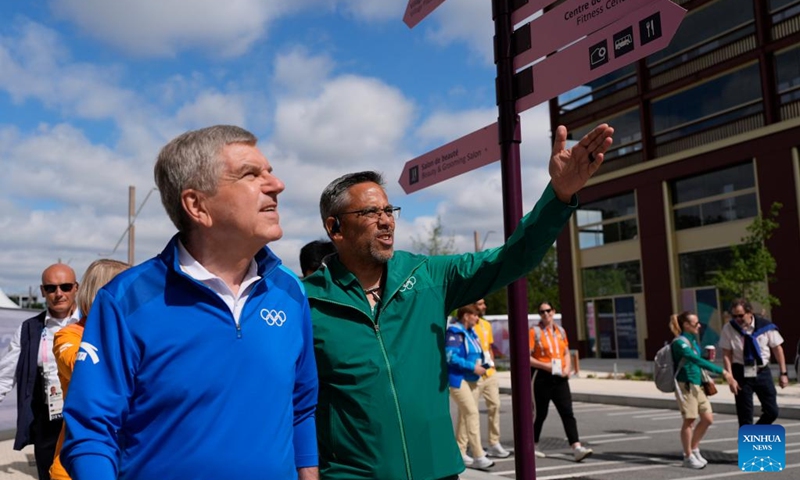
[
  {"x": 545, "y": 310},
  {"x": 64, "y": 287}
]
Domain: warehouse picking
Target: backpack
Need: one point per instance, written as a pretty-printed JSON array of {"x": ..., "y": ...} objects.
[{"x": 664, "y": 371}]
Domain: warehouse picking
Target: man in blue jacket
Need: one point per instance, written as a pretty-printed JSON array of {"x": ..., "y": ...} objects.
[{"x": 199, "y": 363}]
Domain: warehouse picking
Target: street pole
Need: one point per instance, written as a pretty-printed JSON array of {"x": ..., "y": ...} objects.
[
  {"x": 510, "y": 138},
  {"x": 131, "y": 228}
]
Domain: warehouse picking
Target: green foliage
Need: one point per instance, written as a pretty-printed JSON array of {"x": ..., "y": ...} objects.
[
  {"x": 752, "y": 265},
  {"x": 436, "y": 243},
  {"x": 542, "y": 284}
]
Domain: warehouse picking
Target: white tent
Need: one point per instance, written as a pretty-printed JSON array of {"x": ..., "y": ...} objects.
[{"x": 6, "y": 302}]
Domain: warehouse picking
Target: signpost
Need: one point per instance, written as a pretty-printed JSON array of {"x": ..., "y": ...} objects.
[
  {"x": 616, "y": 33},
  {"x": 633, "y": 37},
  {"x": 469, "y": 152},
  {"x": 565, "y": 23},
  {"x": 417, "y": 10}
]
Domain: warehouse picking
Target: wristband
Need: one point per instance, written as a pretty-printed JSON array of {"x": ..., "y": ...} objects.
[{"x": 784, "y": 373}]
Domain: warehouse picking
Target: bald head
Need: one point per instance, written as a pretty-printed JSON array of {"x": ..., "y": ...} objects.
[{"x": 59, "y": 287}]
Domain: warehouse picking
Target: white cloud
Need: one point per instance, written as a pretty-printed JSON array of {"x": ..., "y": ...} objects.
[
  {"x": 467, "y": 21},
  {"x": 301, "y": 73},
  {"x": 162, "y": 28}
]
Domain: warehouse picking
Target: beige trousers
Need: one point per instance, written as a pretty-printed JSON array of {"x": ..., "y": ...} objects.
[
  {"x": 468, "y": 418},
  {"x": 489, "y": 389}
]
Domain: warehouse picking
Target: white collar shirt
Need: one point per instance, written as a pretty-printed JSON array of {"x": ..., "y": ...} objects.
[
  {"x": 731, "y": 340},
  {"x": 235, "y": 302}
]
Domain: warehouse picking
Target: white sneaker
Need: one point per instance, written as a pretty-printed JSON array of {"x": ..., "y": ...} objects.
[
  {"x": 539, "y": 453},
  {"x": 581, "y": 453},
  {"x": 692, "y": 462},
  {"x": 482, "y": 463},
  {"x": 468, "y": 461},
  {"x": 498, "y": 451},
  {"x": 696, "y": 453}
]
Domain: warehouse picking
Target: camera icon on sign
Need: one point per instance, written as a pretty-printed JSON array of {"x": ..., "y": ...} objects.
[{"x": 598, "y": 54}]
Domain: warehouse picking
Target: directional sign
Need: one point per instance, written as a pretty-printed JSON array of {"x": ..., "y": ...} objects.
[
  {"x": 635, "y": 36},
  {"x": 526, "y": 8},
  {"x": 416, "y": 10},
  {"x": 569, "y": 21},
  {"x": 469, "y": 152}
]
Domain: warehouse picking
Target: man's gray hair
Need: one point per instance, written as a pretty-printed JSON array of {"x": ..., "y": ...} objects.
[
  {"x": 335, "y": 197},
  {"x": 192, "y": 161}
]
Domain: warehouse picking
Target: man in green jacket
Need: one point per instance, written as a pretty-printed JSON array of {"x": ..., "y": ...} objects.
[{"x": 379, "y": 320}]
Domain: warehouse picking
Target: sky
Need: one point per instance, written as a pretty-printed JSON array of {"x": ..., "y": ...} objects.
[{"x": 90, "y": 90}]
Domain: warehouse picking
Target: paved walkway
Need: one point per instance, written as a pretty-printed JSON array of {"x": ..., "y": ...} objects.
[{"x": 599, "y": 381}]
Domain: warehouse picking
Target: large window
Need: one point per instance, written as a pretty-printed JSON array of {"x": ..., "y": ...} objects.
[
  {"x": 698, "y": 268},
  {"x": 716, "y": 102},
  {"x": 607, "y": 221},
  {"x": 783, "y": 9},
  {"x": 614, "y": 279},
  {"x": 627, "y": 133},
  {"x": 714, "y": 197},
  {"x": 705, "y": 29},
  {"x": 787, "y": 66},
  {"x": 598, "y": 88}
]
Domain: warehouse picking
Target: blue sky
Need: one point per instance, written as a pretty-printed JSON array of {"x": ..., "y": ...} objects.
[{"x": 91, "y": 89}]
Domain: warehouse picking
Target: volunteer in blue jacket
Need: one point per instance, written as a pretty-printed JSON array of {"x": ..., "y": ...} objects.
[
  {"x": 199, "y": 363},
  {"x": 464, "y": 369}
]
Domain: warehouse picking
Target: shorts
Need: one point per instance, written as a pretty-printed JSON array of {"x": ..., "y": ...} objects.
[{"x": 694, "y": 401}]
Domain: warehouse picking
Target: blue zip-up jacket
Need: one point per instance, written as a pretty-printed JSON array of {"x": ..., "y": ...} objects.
[
  {"x": 166, "y": 386},
  {"x": 463, "y": 350}
]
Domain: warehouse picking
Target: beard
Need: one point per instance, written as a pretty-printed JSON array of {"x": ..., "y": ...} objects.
[{"x": 380, "y": 256}]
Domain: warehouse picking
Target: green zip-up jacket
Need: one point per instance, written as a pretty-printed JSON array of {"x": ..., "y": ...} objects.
[
  {"x": 383, "y": 410},
  {"x": 693, "y": 365}
]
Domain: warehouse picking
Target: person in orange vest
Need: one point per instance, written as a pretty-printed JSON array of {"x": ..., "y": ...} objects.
[
  {"x": 550, "y": 370},
  {"x": 488, "y": 388}
]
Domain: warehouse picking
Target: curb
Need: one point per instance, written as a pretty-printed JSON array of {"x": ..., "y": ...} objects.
[{"x": 669, "y": 403}]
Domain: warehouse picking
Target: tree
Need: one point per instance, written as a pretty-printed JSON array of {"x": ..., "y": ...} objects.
[
  {"x": 542, "y": 284},
  {"x": 752, "y": 266},
  {"x": 436, "y": 243}
]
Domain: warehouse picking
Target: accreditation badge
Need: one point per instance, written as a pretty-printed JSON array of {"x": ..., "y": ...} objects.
[
  {"x": 555, "y": 365},
  {"x": 762, "y": 448},
  {"x": 55, "y": 398}
]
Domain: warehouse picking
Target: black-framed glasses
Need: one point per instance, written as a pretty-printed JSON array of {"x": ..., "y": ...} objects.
[
  {"x": 546, "y": 310},
  {"x": 374, "y": 213},
  {"x": 64, "y": 287},
  {"x": 738, "y": 316}
]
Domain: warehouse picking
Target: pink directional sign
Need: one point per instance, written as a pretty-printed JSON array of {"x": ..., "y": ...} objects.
[
  {"x": 469, "y": 152},
  {"x": 570, "y": 21},
  {"x": 417, "y": 10},
  {"x": 635, "y": 36},
  {"x": 529, "y": 8}
]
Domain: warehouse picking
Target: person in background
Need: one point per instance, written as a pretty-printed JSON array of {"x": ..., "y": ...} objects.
[
  {"x": 692, "y": 400},
  {"x": 488, "y": 387},
  {"x": 67, "y": 341},
  {"x": 29, "y": 363},
  {"x": 747, "y": 342},
  {"x": 199, "y": 363},
  {"x": 312, "y": 255},
  {"x": 551, "y": 367},
  {"x": 465, "y": 365}
]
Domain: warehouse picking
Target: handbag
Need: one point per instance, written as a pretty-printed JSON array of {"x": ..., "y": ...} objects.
[{"x": 709, "y": 388}]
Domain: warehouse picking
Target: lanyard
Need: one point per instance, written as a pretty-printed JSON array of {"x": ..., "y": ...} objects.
[
  {"x": 549, "y": 344},
  {"x": 476, "y": 346},
  {"x": 44, "y": 347}
]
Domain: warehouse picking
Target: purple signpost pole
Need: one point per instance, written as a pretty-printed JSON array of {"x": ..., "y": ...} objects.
[{"x": 510, "y": 138}]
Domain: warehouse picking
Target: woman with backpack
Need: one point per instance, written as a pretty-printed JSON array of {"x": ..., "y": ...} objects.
[{"x": 692, "y": 400}]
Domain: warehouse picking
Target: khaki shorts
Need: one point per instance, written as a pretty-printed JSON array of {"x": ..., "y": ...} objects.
[{"x": 694, "y": 401}]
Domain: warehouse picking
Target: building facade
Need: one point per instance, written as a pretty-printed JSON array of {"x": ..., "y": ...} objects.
[{"x": 707, "y": 137}]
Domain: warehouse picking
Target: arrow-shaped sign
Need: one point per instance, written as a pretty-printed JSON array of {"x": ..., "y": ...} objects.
[
  {"x": 525, "y": 8},
  {"x": 469, "y": 152},
  {"x": 417, "y": 10},
  {"x": 635, "y": 36},
  {"x": 565, "y": 23}
]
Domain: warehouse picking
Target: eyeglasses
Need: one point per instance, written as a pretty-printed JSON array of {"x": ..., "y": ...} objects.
[
  {"x": 694, "y": 324},
  {"x": 374, "y": 213},
  {"x": 64, "y": 287},
  {"x": 546, "y": 310},
  {"x": 738, "y": 316}
]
